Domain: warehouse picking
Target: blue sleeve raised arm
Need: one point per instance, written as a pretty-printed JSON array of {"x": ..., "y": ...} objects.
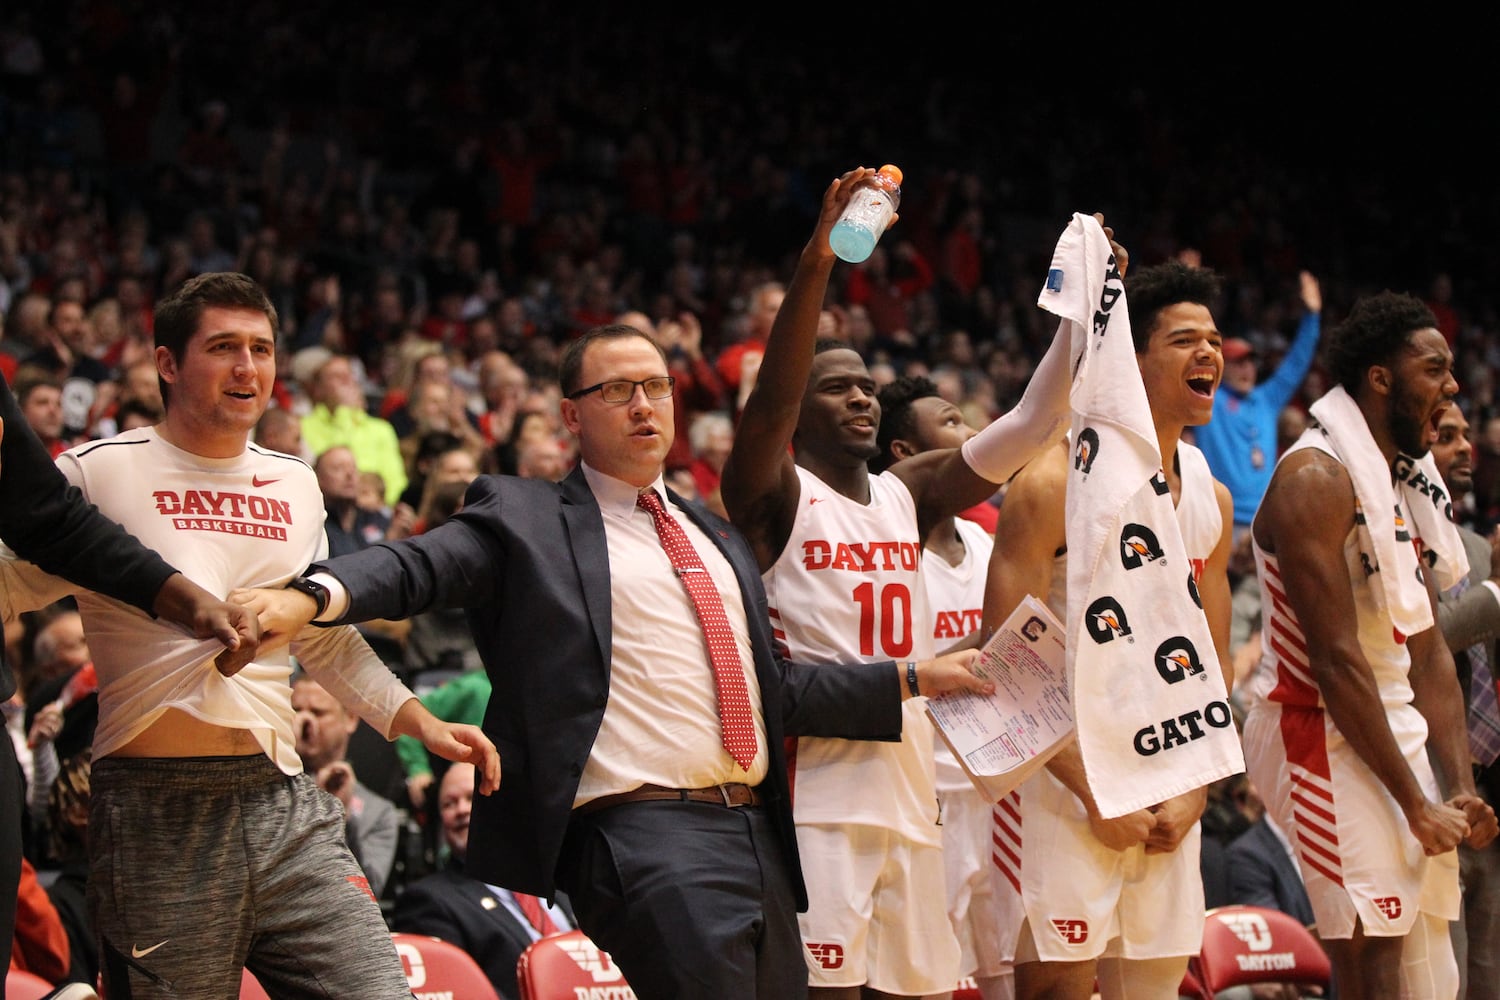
[{"x": 1282, "y": 386}]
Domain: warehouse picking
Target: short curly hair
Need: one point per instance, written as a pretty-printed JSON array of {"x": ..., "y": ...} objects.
[
  {"x": 896, "y": 417},
  {"x": 1373, "y": 333},
  {"x": 1152, "y": 289}
]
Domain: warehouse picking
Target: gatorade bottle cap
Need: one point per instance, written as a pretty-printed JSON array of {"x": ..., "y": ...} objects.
[{"x": 893, "y": 172}]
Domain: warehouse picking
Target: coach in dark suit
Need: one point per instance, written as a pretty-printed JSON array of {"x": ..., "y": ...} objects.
[
  {"x": 679, "y": 861},
  {"x": 485, "y": 921},
  {"x": 1469, "y": 617},
  {"x": 48, "y": 522}
]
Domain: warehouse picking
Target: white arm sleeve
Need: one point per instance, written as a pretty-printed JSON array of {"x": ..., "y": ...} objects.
[
  {"x": 340, "y": 660},
  {"x": 1039, "y": 419}
]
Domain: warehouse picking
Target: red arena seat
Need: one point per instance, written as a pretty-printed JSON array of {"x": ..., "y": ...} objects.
[{"x": 569, "y": 966}]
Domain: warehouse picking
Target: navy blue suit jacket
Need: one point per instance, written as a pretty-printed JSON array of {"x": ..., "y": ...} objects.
[{"x": 528, "y": 561}]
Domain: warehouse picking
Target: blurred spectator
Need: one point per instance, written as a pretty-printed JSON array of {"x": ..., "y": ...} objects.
[
  {"x": 415, "y": 361},
  {"x": 348, "y": 526},
  {"x": 370, "y": 822},
  {"x": 40, "y": 397},
  {"x": 69, "y": 358},
  {"x": 68, "y": 820},
  {"x": 59, "y": 710},
  {"x": 279, "y": 430},
  {"x": 445, "y": 489},
  {"x": 886, "y": 284},
  {"x": 1487, "y": 474},
  {"x": 696, "y": 387},
  {"x": 26, "y": 327},
  {"x": 765, "y": 303},
  {"x": 1263, "y": 871},
  {"x": 438, "y": 408},
  {"x": 371, "y": 495},
  {"x": 1232, "y": 807},
  {"x": 1469, "y": 617},
  {"x": 37, "y": 764},
  {"x": 137, "y": 389},
  {"x": 502, "y": 387},
  {"x": 492, "y": 924},
  {"x": 339, "y": 417},
  {"x": 711, "y": 436},
  {"x": 541, "y": 459},
  {"x": 437, "y": 451},
  {"x": 1240, "y": 441},
  {"x": 133, "y": 413},
  {"x": 529, "y": 426}
]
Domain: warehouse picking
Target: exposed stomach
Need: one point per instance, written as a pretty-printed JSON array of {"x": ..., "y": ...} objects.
[{"x": 175, "y": 733}]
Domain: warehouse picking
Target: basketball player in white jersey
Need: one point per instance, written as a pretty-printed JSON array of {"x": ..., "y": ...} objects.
[
  {"x": 840, "y": 551},
  {"x": 980, "y": 837},
  {"x": 1360, "y": 749},
  {"x": 1119, "y": 899}
]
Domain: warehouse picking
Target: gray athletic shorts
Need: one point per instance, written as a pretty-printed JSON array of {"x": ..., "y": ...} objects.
[{"x": 203, "y": 866}]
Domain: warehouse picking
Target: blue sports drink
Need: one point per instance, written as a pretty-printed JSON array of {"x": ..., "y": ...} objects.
[{"x": 867, "y": 215}]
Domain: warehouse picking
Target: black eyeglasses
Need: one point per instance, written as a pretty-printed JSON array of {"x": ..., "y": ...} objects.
[{"x": 623, "y": 390}]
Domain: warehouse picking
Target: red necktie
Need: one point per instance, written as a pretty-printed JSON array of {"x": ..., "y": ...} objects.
[
  {"x": 535, "y": 913},
  {"x": 736, "y": 722}
]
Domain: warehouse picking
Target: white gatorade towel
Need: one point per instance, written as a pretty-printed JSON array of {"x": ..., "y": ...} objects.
[
  {"x": 1152, "y": 714},
  {"x": 1385, "y": 540}
]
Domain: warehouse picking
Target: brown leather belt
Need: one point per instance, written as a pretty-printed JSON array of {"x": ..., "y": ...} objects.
[{"x": 732, "y": 796}]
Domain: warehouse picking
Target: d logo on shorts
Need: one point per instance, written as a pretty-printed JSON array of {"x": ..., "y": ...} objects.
[
  {"x": 827, "y": 954},
  {"x": 1072, "y": 931},
  {"x": 1389, "y": 905}
]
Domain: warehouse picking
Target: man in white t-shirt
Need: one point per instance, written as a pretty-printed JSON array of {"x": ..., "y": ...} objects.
[{"x": 210, "y": 849}]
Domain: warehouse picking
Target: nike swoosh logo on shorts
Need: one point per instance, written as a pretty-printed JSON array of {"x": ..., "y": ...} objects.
[{"x": 136, "y": 951}]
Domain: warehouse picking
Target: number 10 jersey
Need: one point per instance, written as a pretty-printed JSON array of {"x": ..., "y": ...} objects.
[{"x": 848, "y": 587}]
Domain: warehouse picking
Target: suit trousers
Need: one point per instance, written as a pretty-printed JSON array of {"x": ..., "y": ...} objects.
[{"x": 690, "y": 899}]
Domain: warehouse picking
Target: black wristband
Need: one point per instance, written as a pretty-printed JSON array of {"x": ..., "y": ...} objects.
[
  {"x": 316, "y": 591},
  {"x": 911, "y": 679}
]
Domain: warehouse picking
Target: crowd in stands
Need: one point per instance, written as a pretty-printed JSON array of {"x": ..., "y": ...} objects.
[{"x": 439, "y": 197}]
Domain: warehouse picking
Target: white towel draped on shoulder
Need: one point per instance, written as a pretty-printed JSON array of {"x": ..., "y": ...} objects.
[
  {"x": 1152, "y": 714},
  {"x": 1417, "y": 492}
]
